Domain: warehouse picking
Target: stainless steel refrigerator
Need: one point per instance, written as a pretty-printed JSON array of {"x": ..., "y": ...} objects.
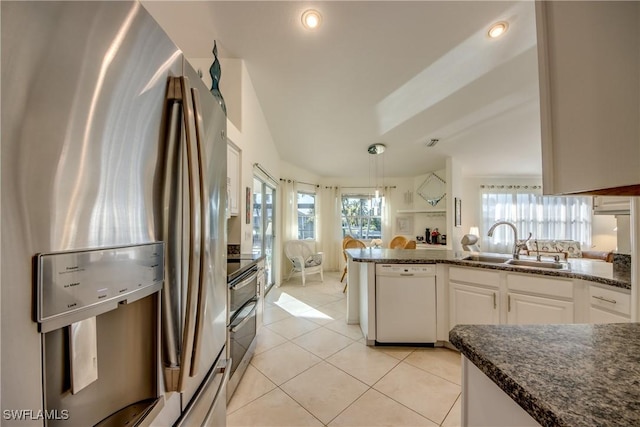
[{"x": 113, "y": 161}]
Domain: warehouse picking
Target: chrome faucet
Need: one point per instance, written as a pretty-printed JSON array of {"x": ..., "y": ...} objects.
[{"x": 517, "y": 245}]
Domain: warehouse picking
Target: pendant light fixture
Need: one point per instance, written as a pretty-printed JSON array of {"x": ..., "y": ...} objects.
[{"x": 376, "y": 150}]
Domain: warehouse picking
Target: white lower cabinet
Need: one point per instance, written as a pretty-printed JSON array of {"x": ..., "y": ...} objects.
[
  {"x": 480, "y": 296},
  {"x": 528, "y": 309},
  {"x": 474, "y": 297},
  {"x": 597, "y": 315},
  {"x": 539, "y": 300},
  {"x": 472, "y": 305},
  {"x": 607, "y": 305}
]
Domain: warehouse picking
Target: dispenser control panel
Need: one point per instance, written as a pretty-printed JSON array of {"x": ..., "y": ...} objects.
[{"x": 75, "y": 285}]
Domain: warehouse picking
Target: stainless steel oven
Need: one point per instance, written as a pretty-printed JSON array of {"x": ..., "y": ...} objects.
[
  {"x": 242, "y": 322},
  {"x": 242, "y": 332},
  {"x": 242, "y": 288}
]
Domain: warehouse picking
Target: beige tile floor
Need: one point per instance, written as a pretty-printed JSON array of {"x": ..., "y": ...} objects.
[{"x": 312, "y": 369}]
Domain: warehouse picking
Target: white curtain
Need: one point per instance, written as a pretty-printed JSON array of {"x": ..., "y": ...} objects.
[
  {"x": 545, "y": 217},
  {"x": 329, "y": 226},
  {"x": 289, "y": 209}
]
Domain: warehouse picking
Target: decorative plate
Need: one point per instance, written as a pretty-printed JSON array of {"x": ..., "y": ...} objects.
[{"x": 433, "y": 189}]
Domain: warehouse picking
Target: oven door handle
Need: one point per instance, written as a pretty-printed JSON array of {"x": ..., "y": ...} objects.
[
  {"x": 245, "y": 282},
  {"x": 248, "y": 317}
]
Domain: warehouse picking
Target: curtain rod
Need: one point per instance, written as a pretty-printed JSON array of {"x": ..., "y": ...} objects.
[
  {"x": 331, "y": 186},
  {"x": 299, "y": 182},
  {"x": 511, "y": 186},
  {"x": 369, "y": 186},
  {"x": 264, "y": 171}
]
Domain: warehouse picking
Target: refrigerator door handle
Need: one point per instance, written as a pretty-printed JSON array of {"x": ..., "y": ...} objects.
[
  {"x": 202, "y": 289},
  {"x": 205, "y": 409},
  {"x": 221, "y": 395},
  {"x": 172, "y": 303},
  {"x": 187, "y": 230},
  {"x": 195, "y": 219},
  {"x": 172, "y": 160}
]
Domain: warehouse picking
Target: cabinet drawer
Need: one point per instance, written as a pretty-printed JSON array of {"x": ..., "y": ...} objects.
[
  {"x": 612, "y": 300},
  {"x": 540, "y": 285},
  {"x": 597, "y": 315},
  {"x": 475, "y": 276}
]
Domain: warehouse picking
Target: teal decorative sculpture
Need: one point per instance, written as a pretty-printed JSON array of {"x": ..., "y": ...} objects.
[{"x": 215, "y": 72}]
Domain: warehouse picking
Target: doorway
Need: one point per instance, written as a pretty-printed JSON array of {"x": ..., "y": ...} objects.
[{"x": 264, "y": 216}]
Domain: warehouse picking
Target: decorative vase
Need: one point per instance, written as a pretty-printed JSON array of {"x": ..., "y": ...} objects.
[{"x": 215, "y": 72}]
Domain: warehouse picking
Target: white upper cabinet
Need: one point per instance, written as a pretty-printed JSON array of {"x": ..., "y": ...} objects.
[
  {"x": 611, "y": 205},
  {"x": 589, "y": 56},
  {"x": 233, "y": 179}
]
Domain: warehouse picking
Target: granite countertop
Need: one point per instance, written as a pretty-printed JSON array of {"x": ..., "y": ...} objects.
[
  {"x": 237, "y": 264},
  {"x": 595, "y": 271},
  {"x": 246, "y": 256},
  {"x": 562, "y": 375}
]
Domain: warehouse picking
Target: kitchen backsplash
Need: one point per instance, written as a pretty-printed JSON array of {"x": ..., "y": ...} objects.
[
  {"x": 233, "y": 249},
  {"x": 621, "y": 262}
]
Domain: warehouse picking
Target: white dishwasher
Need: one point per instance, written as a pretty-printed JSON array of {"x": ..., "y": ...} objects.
[{"x": 405, "y": 303}]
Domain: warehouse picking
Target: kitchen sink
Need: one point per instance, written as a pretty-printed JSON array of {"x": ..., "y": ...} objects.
[
  {"x": 487, "y": 258},
  {"x": 538, "y": 264},
  {"x": 495, "y": 259}
]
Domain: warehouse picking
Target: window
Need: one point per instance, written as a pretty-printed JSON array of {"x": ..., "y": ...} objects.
[
  {"x": 362, "y": 217},
  {"x": 545, "y": 217},
  {"x": 306, "y": 215}
]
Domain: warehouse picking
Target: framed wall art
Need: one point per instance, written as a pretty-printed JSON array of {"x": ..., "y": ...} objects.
[
  {"x": 404, "y": 225},
  {"x": 457, "y": 209},
  {"x": 248, "y": 205}
]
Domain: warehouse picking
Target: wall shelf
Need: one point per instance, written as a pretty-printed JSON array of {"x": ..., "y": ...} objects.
[{"x": 425, "y": 211}]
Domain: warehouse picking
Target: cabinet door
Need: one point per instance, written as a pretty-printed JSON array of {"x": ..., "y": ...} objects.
[
  {"x": 527, "y": 309},
  {"x": 233, "y": 179},
  {"x": 611, "y": 205},
  {"x": 472, "y": 305},
  {"x": 597, "y": 315},
  {"x": 588, "y": 58}
]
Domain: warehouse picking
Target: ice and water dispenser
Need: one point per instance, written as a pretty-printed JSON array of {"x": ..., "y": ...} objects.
[{"x": 97, "y": 311}]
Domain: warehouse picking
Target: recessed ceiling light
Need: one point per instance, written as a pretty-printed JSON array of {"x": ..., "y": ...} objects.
[
  {"x": 498, "y": 29},
  {"x": 311, "y": 19}
]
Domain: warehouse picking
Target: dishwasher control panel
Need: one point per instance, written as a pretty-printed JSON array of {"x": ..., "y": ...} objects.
[{"x": 406, "y": 269}]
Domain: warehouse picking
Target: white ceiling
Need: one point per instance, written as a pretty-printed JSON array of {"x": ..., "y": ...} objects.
[{"x": 399, "y": 73}]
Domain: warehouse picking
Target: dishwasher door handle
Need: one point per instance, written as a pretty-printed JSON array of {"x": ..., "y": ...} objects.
[{"x": 406, "y": 274}]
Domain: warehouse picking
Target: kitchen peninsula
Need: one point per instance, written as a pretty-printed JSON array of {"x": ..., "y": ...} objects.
[
  {"x": 558, "y": 375},
  {"x": 577, "y": 280},
  {"x": 578, "y": 373}
]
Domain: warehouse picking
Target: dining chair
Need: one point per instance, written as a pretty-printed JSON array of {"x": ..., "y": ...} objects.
[
  {"x": 411, "y": 244},
  {"x": 344, "y": 254},
  {"x": 351, "y": 244},
  {"x": 398, "y": 242}
]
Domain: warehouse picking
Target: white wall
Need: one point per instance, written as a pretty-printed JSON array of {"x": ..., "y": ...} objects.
[
  {"x": 248, "y": 129},
  {"x": 624, "y": 234},
  {"x": 289, "y": 171},
  {"x": 604, "y": 233}
]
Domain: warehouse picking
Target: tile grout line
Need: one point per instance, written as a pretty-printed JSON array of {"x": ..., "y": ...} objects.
[{"x": 398, "y": 360}]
